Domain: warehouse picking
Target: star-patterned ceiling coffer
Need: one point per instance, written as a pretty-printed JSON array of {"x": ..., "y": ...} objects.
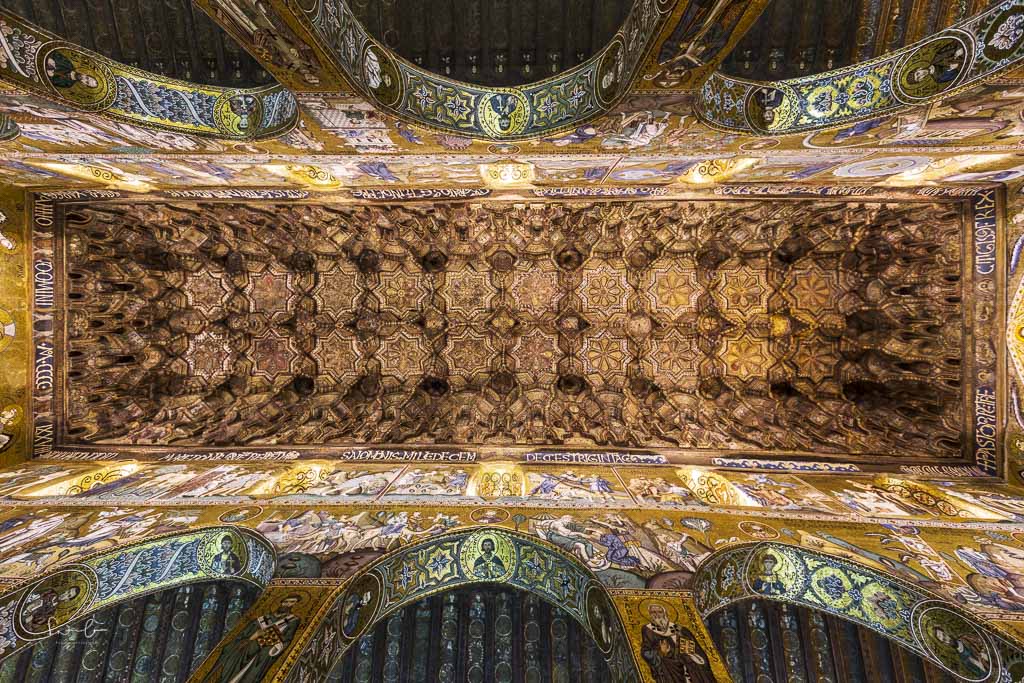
[{"x": 750, "y": 326}]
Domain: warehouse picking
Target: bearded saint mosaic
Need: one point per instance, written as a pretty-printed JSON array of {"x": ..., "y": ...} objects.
[{"x": 799, "y": 326}]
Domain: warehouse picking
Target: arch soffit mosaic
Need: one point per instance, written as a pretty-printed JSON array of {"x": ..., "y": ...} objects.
[
  {"x": 946, "y": 63},
  {"x": 37, "y": 609},
  {"x": 43, "y": 64},
  {"x": 419, "y": 96},
  {"x": 477, "y": 555},
  {"x": 911, "y": 616},
  {"x": 949, "y": 62}
]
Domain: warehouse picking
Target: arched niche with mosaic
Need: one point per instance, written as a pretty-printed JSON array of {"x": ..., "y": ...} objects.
[
  {"x": 946, "y": 63},
  {"x": 39, "y": 608},
  {"x": 904, "y": 613},
  {"x": 419, "y": 96},
  {"x": 477, "y": 555},
  {"x": 79, "y": 79}
]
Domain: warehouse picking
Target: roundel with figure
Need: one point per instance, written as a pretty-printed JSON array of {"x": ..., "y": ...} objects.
[
  {"x": 957, "y": 644},
  {"x": 487, "y": 556},
  {"x": 936, "y": 66},
  {"x": 77, "y": 77},
  {"x": 55, "y": 601}
]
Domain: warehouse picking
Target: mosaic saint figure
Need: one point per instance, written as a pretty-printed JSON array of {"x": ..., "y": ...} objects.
[
  {"x": 767, "y": 580},
  {"x": 972, "y": 656},
  {"x": 64, "y": 74},
  {"x": 250, "y": 654},
  {"x": 488, "y": 565},
  {"x": 227, "y": 560},
  {"x": 671, "y": 651},
  {"x": 41, "y": 608},
  {"x": 944, "y": 67}
]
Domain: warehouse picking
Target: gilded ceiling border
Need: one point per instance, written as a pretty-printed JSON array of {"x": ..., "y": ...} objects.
[
  {"x": 414, "y": 94},
  {"x": 946, "y": 63},
  {"x": 984, "y": 384},
  {"x": 38, "y": 61}
]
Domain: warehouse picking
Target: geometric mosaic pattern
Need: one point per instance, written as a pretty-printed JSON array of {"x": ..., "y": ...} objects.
[{"x": 799, "y": 326}]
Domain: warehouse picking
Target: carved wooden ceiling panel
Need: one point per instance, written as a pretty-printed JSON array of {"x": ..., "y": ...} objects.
[
  {"x": 169, "y": 37},
  {"x": 803, "y": 326},
  {"x": 494, "y": 42},
  {"x": 794, "y": 38}
]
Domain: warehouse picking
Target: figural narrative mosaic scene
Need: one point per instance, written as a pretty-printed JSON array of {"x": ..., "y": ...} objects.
[{"x": 546, "y": 341}]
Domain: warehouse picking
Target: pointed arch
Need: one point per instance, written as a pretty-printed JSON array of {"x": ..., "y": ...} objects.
[
  {"x": 943, "y": 64},
  {"x": 38, "y": 608},
  {"x": 70, "y": 75},
  {"x": 416, "y": 95},
  {"x": 478, "y": 555},
  {"x": 907, "y": 614}
]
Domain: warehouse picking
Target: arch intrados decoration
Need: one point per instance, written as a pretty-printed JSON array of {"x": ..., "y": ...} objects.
[
  {"x": 911, "y": 616},
  {"x": 58, "y": 70},
  {"x": 946, "y": 63},
  {"x": 38, "y": 608},
  {"x": 545, "y": 107},
  {"x": 462, "y": 558}
]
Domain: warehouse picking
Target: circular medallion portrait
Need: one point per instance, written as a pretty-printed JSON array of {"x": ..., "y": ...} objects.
[
  {"x": 1005, "y": 34},
  {"x": 611, "y": 71},
  {"x": 359, "y": 605},
  {"x": 77, "y": 77},
  {"x": 54, "y": 601},
  {"x": 599, "y": 617},
  {"x": 771, "y": 572},
  {"x": 770, "y": 109},
  {"x": 380, "y": 75},
  {"x": 238, "y": 113},
  {"x": 957, "y": 644},
  {"x": 223, "y": 552},
  {"x": 489, "y": 515},
  {"x": 932, "y": 68},
  {"x": 504, "y": 114},
  {"x": 242, "y": 514},
  {"x": 487, "y": 556}
]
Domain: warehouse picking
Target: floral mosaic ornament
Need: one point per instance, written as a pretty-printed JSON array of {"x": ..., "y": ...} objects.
[
  {"x": 36, "y": 60},
  {"x": 545, "y": 107},
  {"x": 40, "y": 608},
  {"x": 906, "y": 614},
  {"x": 941, "y": 65}
]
